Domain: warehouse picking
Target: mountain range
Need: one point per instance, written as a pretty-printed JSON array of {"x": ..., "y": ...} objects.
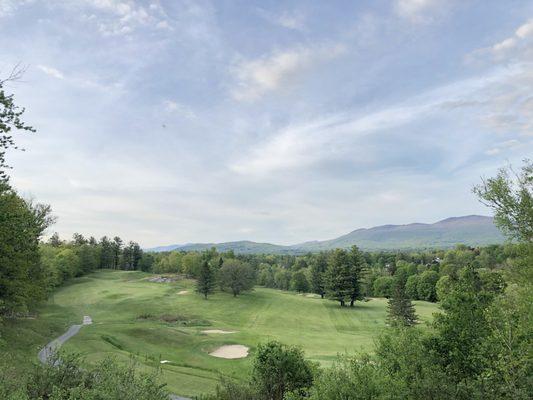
[{"x": 471, "y": 230}]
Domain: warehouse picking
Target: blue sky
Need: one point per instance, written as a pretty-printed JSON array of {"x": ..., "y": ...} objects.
[{"x": 186, "y": 121}]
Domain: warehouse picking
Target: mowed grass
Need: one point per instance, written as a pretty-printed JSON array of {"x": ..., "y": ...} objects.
[{"x": 116, "y": 299}]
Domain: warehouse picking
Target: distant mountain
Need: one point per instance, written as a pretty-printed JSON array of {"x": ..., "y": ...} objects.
[{"x": 472, "y": 230}]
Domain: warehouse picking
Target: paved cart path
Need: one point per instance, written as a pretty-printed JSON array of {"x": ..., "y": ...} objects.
[{"x": 47, "y": 351}]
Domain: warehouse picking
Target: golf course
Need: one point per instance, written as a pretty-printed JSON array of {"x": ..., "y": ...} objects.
[{"x": 167, "y": 325}]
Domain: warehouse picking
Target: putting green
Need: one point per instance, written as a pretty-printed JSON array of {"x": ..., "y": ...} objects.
[{"x": 151, "y": 322}]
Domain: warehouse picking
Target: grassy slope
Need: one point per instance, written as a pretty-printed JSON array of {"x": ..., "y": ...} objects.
[{"x": 115, "y": 299}]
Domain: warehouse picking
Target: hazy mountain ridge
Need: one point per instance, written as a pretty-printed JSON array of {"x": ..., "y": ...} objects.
[{"x": 472, "y": 230}]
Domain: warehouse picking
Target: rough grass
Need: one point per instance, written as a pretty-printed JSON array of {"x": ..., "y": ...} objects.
[{"x": 149, "y": 321}]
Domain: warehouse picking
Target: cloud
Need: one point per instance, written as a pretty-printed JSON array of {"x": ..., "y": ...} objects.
[
  {"x": 51, "y": 71},
  {"x": 418, "y": 11},
  {"x": 301, "y": 145},
  {"x": 182, "y": 110},
  {"x": 517, "y": 46},
  {"x": 123, "y": 17},
  {"x": 9, "y": 7},
  {"x": 294, "y": 20},
  {"x": 258, "y": 77}
]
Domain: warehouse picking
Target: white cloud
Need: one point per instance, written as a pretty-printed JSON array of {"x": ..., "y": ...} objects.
[
  {"x": 179, "y": 109},
  {"x": 526, "y": 30},
  {"x": 299, "y": 146},
  {"x": 122, "y": 17},
  {"x": 9, "y": 7},
  {"x": 51, "y": 71},
  {"x": 257, "y": 77},
  {"x": 518, "y": 46},
  {"x": 418, "y": 10},
  {"x": 288, "y": 19}
]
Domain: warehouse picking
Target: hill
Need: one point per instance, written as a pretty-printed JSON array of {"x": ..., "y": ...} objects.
[
  {"x": 471, "y": 230},
  {"x": 168, "y": 326}
]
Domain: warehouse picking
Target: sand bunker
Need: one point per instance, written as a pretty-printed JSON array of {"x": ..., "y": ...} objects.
[
  {"x": 217, "y": 331},
  {"x": 183, "y": 292},
  {"x": 230, "y": 351},
  {"x": 164, "y": 361}
]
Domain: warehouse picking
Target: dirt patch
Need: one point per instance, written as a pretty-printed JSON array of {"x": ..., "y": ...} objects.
[
  {"x": 231, "y": 352},
  {"x": 181, "y": 292},
  {"x": 217, "y": 331}
]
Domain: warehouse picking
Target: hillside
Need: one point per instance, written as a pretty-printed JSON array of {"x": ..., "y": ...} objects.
[{"x": 472, "y": 230}]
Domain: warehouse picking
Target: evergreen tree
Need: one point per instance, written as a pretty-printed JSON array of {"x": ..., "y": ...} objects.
[
  {"x": 116, "y": 245},
  {"x": 401, "y": 311},
  {"x": 205, "y": 284},
  {"x": 356, "y": 270},
  {"x": 318, "y": 270},
  {"x": 338, "y": 278}
]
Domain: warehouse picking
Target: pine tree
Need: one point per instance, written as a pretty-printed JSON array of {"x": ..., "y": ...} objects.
[
  {"x": 206, "y": 280},
  {"x": 338, "y": 278},
  {"x": 318, "y": 270},
  {"x": 401, "y": 311}
]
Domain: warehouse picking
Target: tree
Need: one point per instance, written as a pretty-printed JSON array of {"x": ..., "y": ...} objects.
[
  {"x": 383, "y": 286},
  {"x": 411, "y": 287},
  {"x": 22, "y": 223},
  {"x": 463, "y": 330},
  {"x": 510, "y": 195},
  {"x": 318, "y": 269},
  {"x": 10, "y": 118},
  {"x": 356, "y": 269},
  {"x": 282, "y": 279},
  {"x": 206, "y": 282},
  {"x": 338, "y": 277},
  {"x": 88, "y": 257},
  {"x": 146, "y": 262},
  {"x": 236, "y": 276},
  {"x": 116, "y": 245},
  {"x": 78, "y": 239},
  {"x": 427, "y": 286},
  {"x": 279, "y": 369},
  {"x": 401, "y": 311},
  {"x": 55, "y": 240},
  {"x": 299, "y": 282},
  {"x": 106, "y": 253}
]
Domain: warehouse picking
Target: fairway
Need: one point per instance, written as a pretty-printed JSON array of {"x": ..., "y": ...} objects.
[{"x": 152, "y": 322}]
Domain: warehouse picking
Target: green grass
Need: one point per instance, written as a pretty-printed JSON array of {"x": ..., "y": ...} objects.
[{"x": 115, "y": 300}]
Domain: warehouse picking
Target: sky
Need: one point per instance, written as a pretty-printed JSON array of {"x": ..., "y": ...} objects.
[{"x": 276, "y": 121}]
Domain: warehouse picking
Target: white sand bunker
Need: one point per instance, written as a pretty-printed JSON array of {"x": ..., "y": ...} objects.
[
  {"x": 230, "y": 351},
  {"x": 217, "y": 331},
  {"x": 183, "y": 292},
  {"x": 164, "y": 361}
]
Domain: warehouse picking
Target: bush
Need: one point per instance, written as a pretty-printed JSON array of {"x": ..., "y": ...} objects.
[{"x": 65, "y": 379}]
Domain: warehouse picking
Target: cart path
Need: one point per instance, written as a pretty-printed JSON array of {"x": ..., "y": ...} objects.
[{"x": 47, "y": 351}]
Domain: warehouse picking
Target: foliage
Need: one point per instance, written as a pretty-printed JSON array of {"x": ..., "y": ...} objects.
[
  {"x": 279, "y": 369},
  {"x": 236, "y": 276},
  {"x": 510, "y": 195},
  {"x": 10, "y": 119},
  {"x": 21, "y": 275},
  {"x": 401, "y": 311},
  {"x": 206, "y": 282},
  {"x": 66, "y": 379}
]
